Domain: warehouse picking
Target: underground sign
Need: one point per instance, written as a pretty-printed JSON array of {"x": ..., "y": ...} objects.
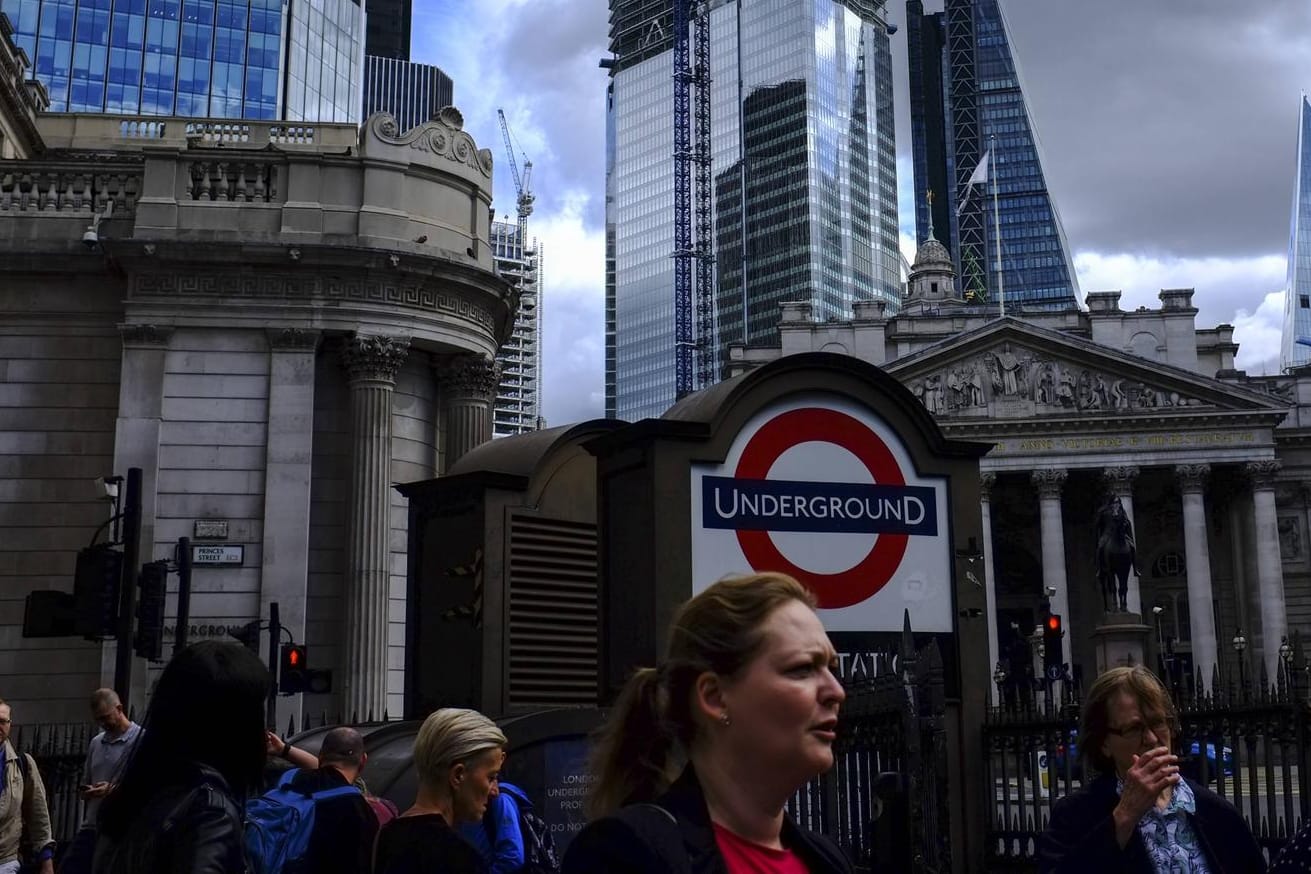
[{"x": 824, "y": 490}]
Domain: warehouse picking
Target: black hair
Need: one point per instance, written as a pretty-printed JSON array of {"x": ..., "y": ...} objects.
[{"x": 207, "y": 709}]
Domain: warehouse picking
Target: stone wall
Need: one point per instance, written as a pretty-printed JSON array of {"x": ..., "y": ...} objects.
[{"x": 59, "y": 371}]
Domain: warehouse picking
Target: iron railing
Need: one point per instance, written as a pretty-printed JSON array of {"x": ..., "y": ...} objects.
[{"x": 1244, "y": 738}]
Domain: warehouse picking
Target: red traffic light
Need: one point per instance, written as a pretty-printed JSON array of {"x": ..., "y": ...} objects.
[
  {"x": 1054, "y": 624},
  {"x": 293, "y": 658}
]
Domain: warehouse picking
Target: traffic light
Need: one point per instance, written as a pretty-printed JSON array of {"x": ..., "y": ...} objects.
[
  {"x": 293, "y": 672},
  {"x": 1052, "y": 633},
  {"x": 96, "y": 579},
  {"x": 148, "y": 642}
]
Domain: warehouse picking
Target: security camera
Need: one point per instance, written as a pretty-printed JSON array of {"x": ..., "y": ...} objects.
[
  {"x": 1158, "y": 610},
  {"x": 107, "y": 486},
  {"x": 91, "y": 236},
  {"x": 1051, "y": 591}
]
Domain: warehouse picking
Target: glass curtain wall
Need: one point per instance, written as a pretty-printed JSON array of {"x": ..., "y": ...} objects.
[
  {"x": 1296, "y": 349},
  {"x": 325, "y": 64},
  {"x": 804, "y": 181}
]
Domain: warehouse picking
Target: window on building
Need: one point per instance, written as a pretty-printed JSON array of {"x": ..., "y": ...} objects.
[
  {"x": 1304, "y": 301},
  {"x": 933, "y": 286}
]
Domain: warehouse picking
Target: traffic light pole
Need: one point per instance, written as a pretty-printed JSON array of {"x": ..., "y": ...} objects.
[
  {"x": 275, "y": 638},
  {"x": 128, "y": 586},
  {"x": 184, "y": 594}
]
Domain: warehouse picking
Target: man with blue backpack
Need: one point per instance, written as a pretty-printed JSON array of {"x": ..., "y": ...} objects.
[
  {"x": 511, "y": 837},
  {"x": 315, "y": 821}
]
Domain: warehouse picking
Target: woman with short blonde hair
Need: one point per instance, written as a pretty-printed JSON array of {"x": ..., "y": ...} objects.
[{"x": 457, "y": 756}]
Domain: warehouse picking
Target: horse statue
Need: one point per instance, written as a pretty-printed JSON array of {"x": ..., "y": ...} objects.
[{"x": 1117, "y": 555}]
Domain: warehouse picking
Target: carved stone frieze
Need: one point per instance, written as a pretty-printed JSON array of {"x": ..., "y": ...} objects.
[
  {"x": 468, "y": 376},
  {"x": 280, "y": 288},
  {"x": 1192, "y": 477},
  {"x": 293, "y": 339},
  {"x": 1262, "y": 473},
  {"x": 443, "y": 136},
  {"x": 1050, "y": 481},
  {"x": 1007, "y": 376},
  {"x": 146, "y": 335},
  {"x": 375, "y": 358}
]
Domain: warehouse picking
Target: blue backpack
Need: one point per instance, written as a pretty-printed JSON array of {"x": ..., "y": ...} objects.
[{"x": 280, "y": 822}]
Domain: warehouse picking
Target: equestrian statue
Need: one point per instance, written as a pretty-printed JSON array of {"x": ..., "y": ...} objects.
[{"x": 1116, "y": 555}]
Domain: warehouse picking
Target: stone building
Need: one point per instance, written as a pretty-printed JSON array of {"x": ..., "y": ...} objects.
[
  {"x": 1211, "y": 464},
  {"x": 275, "y": 322},
  {"x": 21, "y": 98}
]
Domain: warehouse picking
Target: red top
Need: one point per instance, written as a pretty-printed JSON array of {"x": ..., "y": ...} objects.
[{"x": 744, "y": 857}]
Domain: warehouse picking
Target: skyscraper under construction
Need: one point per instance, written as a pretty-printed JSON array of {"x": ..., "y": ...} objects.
[
  {"x": 802, "y": 175},
  {"x": 966, "y": 98}
]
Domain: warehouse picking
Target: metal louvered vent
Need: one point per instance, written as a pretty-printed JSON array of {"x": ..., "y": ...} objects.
[{"x": 553, "y": 614}]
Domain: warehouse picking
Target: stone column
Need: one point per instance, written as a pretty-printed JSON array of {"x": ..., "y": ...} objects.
[
  {"x": 1050, "y": 483},
  {"x": 1197, "y": 557},
  {"x": 136, "y": 444},
  {"x": 1269, "y": 564},
  {"x": 371, "y": 365},
  {"x": 288, "y": 468},
  {"x": 1120, "y": 480},
  {"x": 986, "y": 483},
  {"x": 468, "y": 390}
]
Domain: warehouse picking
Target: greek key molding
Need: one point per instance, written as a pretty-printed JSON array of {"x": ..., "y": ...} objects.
[
  {"x": 1192, "y": 477},
  {"x": 370, "y": 357},
  {"x": 468, "y": 376},
  {"x": 281, "y": 288},
  {"x": 987, "y": 482},
  {"x": 1120, "y": 479},
  {"x": 147, "y": 336},
  {"x": 1262, "y": 473},
  {"x": 443, "y": 136},
  {"x": 1050, "y": 481},
  {"x": 293, "y": 339}
]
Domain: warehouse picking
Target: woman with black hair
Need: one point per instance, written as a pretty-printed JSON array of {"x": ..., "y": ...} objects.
[{"x": 178, "y": 806}]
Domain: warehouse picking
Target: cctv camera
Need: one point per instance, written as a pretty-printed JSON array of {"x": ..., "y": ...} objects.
[
  {"x": 1158, "y": 610},
  {"x": 1051, "y": 591},
  {"x": 90, "y": 239}
]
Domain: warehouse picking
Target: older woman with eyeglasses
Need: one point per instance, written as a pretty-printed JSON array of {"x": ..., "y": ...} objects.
[{"x": 1140, "y": 815}]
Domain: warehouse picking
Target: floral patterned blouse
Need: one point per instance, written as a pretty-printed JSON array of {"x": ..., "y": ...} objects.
[{"x": 1168, "y": 834}]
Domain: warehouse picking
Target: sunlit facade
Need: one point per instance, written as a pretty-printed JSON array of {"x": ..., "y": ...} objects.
[
  {"x": 200, "y": 58},
  {"x": 518, "y": 406},
  {"x": 803, "y": 159},
  {"x": 966, "y": 98},
  {"x": 1296, "y": 349}
]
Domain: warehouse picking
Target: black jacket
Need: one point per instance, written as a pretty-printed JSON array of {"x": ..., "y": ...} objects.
[
  {"x": 344, "y": 827},
  {"x": 192, "y": 826},
  {"x": 1081, "y": 835},
  {"x": 679, "y": 839}
]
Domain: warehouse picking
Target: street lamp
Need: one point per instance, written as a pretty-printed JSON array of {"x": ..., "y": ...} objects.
[{"x": 1240, "y": 644}]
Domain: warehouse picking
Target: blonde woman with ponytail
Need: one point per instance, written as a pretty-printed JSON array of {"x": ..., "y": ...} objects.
[
  {"x": 701, "y": 753},
  {"x": 458, "y": 755}
]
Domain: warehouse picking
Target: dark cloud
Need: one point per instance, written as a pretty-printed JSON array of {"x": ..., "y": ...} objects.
[{"x": 1168, "y": 126}]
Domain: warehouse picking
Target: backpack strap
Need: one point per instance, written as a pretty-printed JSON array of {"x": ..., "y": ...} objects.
[
  {"x": 658, "y": 827},
  {"x": 335, "y": 792}
]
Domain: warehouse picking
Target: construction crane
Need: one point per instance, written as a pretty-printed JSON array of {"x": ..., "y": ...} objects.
[
  {"x": 522, "y": 185},
  {"x": 694, "y": 261}
]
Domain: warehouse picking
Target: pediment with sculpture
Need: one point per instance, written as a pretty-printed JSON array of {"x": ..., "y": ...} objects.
[{"x": 1011, "y": 375}]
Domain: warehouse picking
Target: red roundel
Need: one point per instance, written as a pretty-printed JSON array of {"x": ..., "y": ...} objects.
[{"x": 824, "y": 426}]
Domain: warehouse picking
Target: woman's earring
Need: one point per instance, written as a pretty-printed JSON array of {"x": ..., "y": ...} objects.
[{"x": 724, "y": 720}]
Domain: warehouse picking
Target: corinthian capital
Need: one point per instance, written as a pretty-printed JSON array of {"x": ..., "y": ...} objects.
[
  {"x": 469, "y": 376},
  {"x": 987, "y": 482},
  {"x": 1049, "y": 481},
  {"x": 369, "y": 357},
  {"x": 1120, "y": 479},
  {"x": 1262, "y": 473},
  {"x": 1192, "y": 477}
]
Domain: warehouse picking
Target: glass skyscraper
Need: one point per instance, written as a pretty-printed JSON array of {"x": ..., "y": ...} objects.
[
  {"x": 1296, "y": 349},
  {"x": 411, "y": 93},
  {"x": 966, "y": 98},
  {"x": 518, "y": 407},
  {"x": 203, "y": 58},
  {"x": 803, "y": 175}
]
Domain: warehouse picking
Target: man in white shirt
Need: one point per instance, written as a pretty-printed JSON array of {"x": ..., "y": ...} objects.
[{"x": 105, "y": 759}]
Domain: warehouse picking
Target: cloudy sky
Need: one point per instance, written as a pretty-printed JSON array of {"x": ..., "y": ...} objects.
[{"x": 1168, "y": 130}]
